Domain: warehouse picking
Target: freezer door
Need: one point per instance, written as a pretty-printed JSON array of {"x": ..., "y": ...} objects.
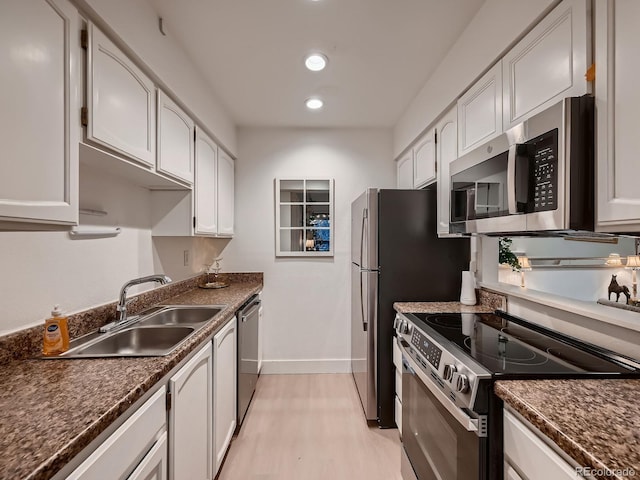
[
  {"x": 364, "y": 214},
  {"x": 363, "y": 337}
]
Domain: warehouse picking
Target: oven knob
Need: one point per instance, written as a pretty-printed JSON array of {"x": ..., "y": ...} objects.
[
  {"x": 461, "y": 382},
  {"x": 404, "y": 327},
  {"x": 449, "y": 370},
  {"x": 409, "y": 328}
]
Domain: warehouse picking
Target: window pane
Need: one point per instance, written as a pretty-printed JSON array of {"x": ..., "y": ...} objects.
[
  {"x": 291, "y": 216},
  {"x": 317, "y": 216},
  {"x": 318, "y": 191},
  {"x": 318, "y": 239},
  {"x": 292, "y": 240},
  {"x": 292, "y": 190}
]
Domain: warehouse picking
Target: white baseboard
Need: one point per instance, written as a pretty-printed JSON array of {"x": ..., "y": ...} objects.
[{"x": 333, "y": 365}]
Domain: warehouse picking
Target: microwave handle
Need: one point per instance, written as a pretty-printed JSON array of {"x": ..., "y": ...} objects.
[{"x": 511, "y": 180}]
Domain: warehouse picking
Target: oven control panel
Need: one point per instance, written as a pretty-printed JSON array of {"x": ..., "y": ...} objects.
[{"x": 432, "y": 353}]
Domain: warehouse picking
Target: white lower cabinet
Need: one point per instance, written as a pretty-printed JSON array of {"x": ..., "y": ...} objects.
[
  {"x": 154, "y": 465},
  {"x": 528, "y": 457},
  {"x": 191, "y": 419},
  {"x": 224, "y": 390},
  {"x": 136, "y": 450}
]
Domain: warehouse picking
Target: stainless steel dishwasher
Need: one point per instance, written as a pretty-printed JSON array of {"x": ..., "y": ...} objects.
[{"x": 247, "y": 353}]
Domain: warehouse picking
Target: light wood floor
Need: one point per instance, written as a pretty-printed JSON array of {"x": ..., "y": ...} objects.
[{"x": 310, "y": 427}]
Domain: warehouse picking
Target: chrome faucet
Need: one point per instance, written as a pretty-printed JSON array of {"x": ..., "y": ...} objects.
[{"x": 121, "y": 308}]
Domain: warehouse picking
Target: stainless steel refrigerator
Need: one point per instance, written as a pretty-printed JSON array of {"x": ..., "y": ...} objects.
[{"x": 396, "y": 256}]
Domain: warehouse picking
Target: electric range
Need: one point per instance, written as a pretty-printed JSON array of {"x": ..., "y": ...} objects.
[{"x": 452, "y": 421}]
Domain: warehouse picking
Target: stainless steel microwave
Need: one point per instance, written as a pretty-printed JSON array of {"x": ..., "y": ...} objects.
[{"x": 536, "y": 177}]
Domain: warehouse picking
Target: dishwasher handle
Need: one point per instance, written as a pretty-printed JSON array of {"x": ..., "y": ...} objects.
[{"x": 248, "y": 311}]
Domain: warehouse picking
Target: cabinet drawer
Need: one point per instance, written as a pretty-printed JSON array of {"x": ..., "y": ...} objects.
[
  {"x": 118, "y": 456},
  {"x": 531, "y": 455},
  {"x": 397, "y": 355}
]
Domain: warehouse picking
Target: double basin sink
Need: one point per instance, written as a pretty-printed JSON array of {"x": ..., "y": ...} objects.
[{"x": 157, "y": 332}]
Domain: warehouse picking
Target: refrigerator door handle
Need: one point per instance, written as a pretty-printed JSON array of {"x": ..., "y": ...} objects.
[
  {"x": 364, "y": 318},
  {"x": 362, "y": 230}
]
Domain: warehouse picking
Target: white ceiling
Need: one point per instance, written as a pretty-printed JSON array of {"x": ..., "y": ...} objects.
[{"x": 381, "y": 52}]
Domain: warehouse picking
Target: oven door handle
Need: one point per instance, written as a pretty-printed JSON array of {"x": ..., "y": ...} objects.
[{"x": 468, "y": 423}]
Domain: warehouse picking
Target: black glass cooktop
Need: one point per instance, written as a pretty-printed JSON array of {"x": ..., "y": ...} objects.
[{"x": 508, "y": 345}]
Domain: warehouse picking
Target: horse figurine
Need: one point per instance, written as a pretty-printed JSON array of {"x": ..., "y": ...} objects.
[{"x": 618, "y": 289}]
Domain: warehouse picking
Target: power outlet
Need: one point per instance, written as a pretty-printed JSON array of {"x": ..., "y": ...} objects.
[{"x": 185, "y": 258}]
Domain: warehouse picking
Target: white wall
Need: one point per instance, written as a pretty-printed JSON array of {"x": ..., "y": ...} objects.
[
  {"x": 495, "y": 27},
  {"x": 40, "y": 269},
  {"x": 136, "y": 23},
  {"x": 306, "y": 300}
]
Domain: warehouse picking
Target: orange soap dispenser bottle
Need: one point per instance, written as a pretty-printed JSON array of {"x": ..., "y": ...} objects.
[{"x": 56, "y": 333}]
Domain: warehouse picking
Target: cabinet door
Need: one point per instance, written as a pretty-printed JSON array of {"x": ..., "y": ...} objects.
[
  {"x": 122, "y": 451},
  {"x": 224, "y": 390},
  {"x": 225, "y": 194},
  {"x": 121, "y": 101},
  {"x": 205, "y": 186},
  {"x": 39, "y": 119},
  {"x": 191, "y": 420},
  {"x": 617, "y": 99},
  {"x": 510, "y": 473},
  {"x": 446, "y": 152},
  {"x": 548, "y": 64},
  {"x": 531, "y": 455},
  {"x": 175, "y": 140},
  {"x": 424, "y": 160},
  {"x": 404, "y": 171},
  {"x": 154, "y": 465},
  {"x": 480, "y": 111}
]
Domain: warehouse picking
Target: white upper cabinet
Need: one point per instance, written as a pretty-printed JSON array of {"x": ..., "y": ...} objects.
[
  {"x": 617, "y": 40},
  {"x": 208, "y": 210},
  {"x": 226, "y": 179},
  {"x": 175, "y": 140},
  {"x": 480, "y": 111},
  {"x": 39, "y": 119},
  {"x": 206, "y": 218},
  {"x": 548, "y": 64},
  {"x": 446, "y": 152},
  {"x": 120, "y": 100},
  {"x": 191, "y": 419},
  {"x": 404, "y": 171},
  {"x": 424, "y": 160}
]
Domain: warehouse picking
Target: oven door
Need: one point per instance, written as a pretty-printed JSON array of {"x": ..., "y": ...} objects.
[{"x": 439, "y": 447}]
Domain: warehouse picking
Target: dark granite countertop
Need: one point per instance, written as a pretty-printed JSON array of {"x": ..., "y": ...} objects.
[
  {"x": 595, "y": 422},
  {"x": 487, "y": 302},
  {"x": 51, "y": 409}
]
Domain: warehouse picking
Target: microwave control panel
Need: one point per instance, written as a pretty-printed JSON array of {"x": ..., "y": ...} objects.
[{"x": 544, "y": 158}]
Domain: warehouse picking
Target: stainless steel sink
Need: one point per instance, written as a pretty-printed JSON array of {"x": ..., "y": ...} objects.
[
  {"x": 137, "y": 341},
  {"x": 155, "y": 333},
  {"x": 180, "y": 315}
]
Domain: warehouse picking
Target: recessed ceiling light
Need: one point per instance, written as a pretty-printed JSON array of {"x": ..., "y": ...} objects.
[
  {"x": 314, "y": 103},
  {"x": 315, "y": 62}
]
